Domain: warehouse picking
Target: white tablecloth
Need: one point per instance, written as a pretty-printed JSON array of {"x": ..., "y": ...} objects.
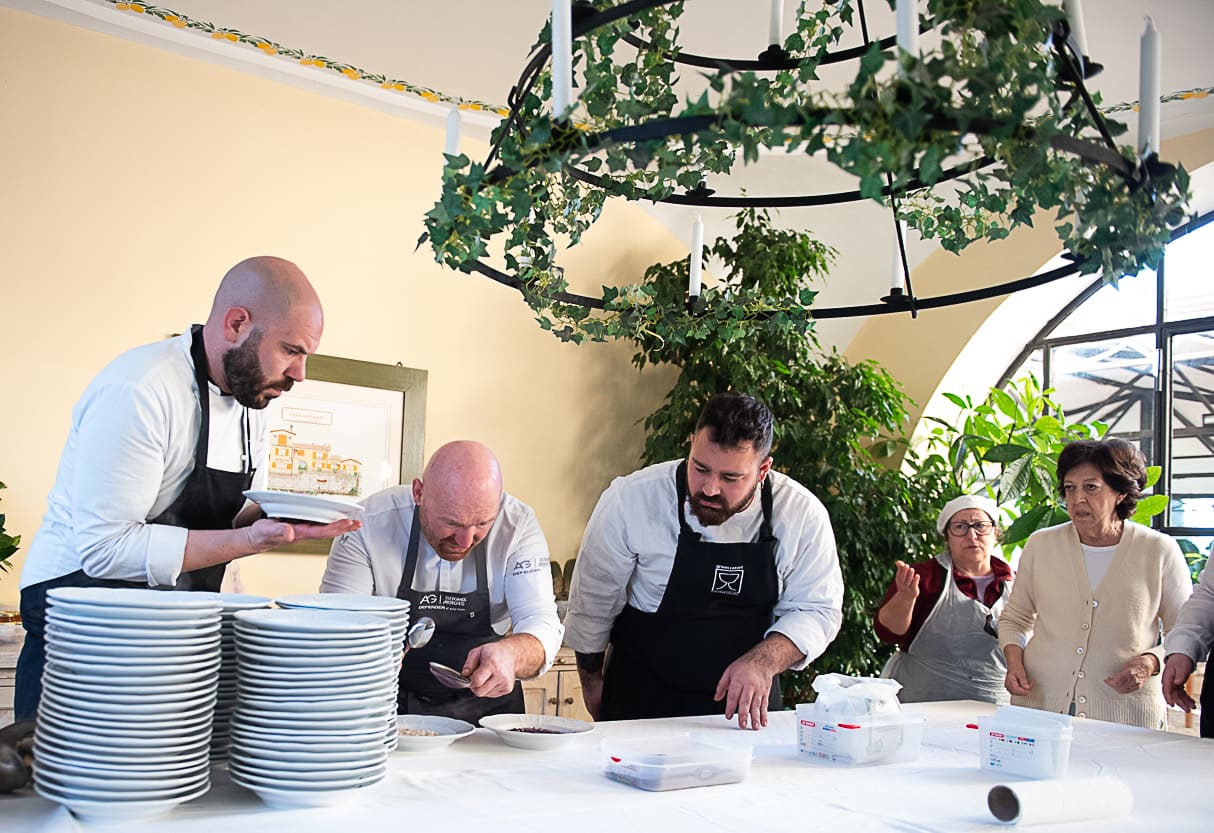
[{"x": 478, "y": 783}]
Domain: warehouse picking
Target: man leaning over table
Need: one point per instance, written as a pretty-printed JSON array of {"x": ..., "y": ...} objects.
[
  {"x": 162, "y": 444},
  {"x": 707, "y": 577},
  {"x": 471, "y": 557}
]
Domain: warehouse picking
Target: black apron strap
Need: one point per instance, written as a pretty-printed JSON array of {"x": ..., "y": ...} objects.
[{"x": 406, "y": 578}]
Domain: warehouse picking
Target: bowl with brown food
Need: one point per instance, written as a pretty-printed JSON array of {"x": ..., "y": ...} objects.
[
  {"x": 424, "y": 733},
  {"x": 536, "y": 731}
]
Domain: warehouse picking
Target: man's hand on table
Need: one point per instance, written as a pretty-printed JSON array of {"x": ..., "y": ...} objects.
[{"x": 746, "y": 684}]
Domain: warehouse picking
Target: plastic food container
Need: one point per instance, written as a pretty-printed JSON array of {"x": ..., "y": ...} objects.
[
  {"x": 674, "y": 762},
  {"x": 1026, "y": 742},
  {"x": 852, "y": 740}
]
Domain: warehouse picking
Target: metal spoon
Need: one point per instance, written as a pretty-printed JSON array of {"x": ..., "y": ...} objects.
[
  {"x": 419, "y": 634},
  {"x": 449, "y": 676}
]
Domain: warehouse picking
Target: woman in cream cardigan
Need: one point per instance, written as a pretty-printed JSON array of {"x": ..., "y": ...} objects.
[{"x": 1081, "y": 630}]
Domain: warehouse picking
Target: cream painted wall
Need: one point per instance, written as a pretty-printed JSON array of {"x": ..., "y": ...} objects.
[
  {"x": 918, "y": 352},
  {"x": 135, "y": 178}
]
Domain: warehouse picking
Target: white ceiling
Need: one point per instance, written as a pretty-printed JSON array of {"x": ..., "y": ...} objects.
[{"x": 475, "y": 49}]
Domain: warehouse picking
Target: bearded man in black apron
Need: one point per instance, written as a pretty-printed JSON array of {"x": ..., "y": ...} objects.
[
  {"x": 707, "y": 577},
  {"x": 1188, "y": 642},
  {"x": 473, "y": 559},
  {"x": 162, "y": 445}
]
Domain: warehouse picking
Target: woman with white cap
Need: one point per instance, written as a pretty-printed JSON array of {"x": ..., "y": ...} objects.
[{"x": 942, "y": 613}]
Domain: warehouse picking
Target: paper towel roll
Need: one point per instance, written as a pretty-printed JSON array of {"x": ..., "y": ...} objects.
[{"x": 1065, "y": 799}]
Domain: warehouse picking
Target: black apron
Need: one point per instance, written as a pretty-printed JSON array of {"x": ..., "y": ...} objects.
[
  {"x": 717, "y": 606},
  {"x": 210, "y": 500},
  {"x": 462, "y": 622}
]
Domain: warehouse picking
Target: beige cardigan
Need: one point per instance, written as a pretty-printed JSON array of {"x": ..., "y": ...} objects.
[{"x": 1077, "y": 637}]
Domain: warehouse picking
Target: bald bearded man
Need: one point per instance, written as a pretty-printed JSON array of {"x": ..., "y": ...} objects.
[
  {"x": 162, "y": 444},
  {"x": 415, "y": 544}
]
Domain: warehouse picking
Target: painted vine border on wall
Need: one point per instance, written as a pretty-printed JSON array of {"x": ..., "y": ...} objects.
[{"x": 269, "y": 47}]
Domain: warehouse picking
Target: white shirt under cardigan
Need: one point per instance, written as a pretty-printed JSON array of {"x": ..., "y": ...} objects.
[
  {"x": 628, "y": 552},
  {"x": 128, "y": 455},
  {"x": 372, "y": 560}
]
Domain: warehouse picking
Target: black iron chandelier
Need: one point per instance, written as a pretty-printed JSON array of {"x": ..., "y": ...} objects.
[{"x": 962, "y": 143}]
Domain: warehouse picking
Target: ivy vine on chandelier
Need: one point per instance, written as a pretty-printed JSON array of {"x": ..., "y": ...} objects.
[{"x": 997, "y": 110}]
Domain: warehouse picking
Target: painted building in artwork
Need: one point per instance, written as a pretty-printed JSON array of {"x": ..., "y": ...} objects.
[{"x": 310, "y": 468}]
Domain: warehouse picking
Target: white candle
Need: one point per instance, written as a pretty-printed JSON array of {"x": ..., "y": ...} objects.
[
  {"x": 1149, "y": 67},
  {"x": 907, "y": 16},
  {"x": 562, "y": 59},
  {"x": 697, "y": 257},
  {"x": 1074, "y": 16},
  {"x": 897, "y": 277},
  {"x": 775, "y": 32},
  {"x": 451, "y": 145}
]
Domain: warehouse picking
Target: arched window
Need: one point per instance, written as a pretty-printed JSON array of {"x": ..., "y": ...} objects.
[{"x": 1140, "y": 357}]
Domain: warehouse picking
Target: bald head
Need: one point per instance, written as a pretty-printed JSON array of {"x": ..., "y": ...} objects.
[
  {"x": 265, "y": 321},
  {"x": 458, "y": 497},
  {"x": 265, "y": 286}
]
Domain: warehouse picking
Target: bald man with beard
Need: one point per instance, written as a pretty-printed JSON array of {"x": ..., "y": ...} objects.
[
  {"x": 162, "y": 445},
  {"x": 472, "y": 558}
]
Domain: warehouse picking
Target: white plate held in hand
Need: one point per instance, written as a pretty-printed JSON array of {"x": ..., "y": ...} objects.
[{"x": 321, "y": 509}]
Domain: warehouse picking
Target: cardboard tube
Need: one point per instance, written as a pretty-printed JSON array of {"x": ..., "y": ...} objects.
[{"x": 1058, "y": 800}]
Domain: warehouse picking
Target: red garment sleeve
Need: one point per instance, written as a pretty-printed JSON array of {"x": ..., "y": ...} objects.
[{"x": 931, "y": 584}]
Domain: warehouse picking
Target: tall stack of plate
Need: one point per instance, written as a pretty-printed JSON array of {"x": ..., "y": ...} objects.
[
  {"x": 128, "y": 697},
  {"x": 226, "y": 703},
  {"x": 394, "y": 611},
  {"x": 311, "y": 703}
]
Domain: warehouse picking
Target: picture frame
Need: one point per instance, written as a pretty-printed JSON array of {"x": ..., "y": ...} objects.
[{"x": 351, "y": 428}]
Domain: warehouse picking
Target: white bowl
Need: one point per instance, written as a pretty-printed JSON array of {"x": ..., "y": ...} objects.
[
  {"x": 102, "y": 810},
  {"x": 448, "y": 728},
  {"x": 558, "y": 731}
]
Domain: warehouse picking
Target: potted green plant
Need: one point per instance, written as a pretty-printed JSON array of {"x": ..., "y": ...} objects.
[
  {"x": 833, "y": 419},
  {"x": 8, "y": 543},
  {"x": 10, "y": 621}
]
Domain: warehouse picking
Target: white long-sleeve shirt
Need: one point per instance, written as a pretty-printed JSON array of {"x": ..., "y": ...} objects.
[
  {"x": 128, "y": 455},
  {"x": 1193, "y": 633},
  {"x": 628, "y": 552},
  {"x": 372, "y": 560}
]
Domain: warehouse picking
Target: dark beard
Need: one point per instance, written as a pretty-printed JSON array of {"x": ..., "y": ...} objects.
[
  {"x": 715, "y": 515},
  {"x": 246, "y": 381}
]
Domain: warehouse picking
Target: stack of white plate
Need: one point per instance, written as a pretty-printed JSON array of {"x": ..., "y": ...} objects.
[
  {"x": 128, "y": 696},
  {"x": 312, "y": 700},
  {"x": 226, "y": 703},
  {"x": 395, "y": 611}
]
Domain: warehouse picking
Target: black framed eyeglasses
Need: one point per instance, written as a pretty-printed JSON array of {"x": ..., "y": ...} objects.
[{"x": 959, "y": 529}]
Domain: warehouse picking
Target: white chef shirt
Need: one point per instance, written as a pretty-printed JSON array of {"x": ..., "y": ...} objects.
[
  {"x": 628, "y": 552},
  {"x": 372, "y": 560},
  {"x": 129, "y": 452}
]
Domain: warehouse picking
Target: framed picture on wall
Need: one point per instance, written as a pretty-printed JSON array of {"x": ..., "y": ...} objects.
[{"x": 350, "y": 429}]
